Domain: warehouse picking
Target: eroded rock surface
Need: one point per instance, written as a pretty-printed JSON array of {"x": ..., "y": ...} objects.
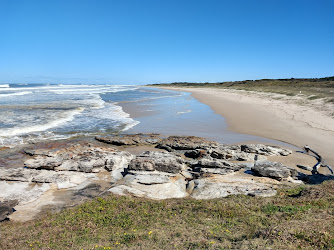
[
  {"x": 274, "y": 170},
  {"x": 210, "y": 188},
  {"x": 264, "y": 150},
  {"x": 189, "y": 166},
  {"x": 129, "y": 140},
  {"x": 157, "y": 161},
  {"x": 83, "y": 157},
  {"x": 186, "y": 143}
]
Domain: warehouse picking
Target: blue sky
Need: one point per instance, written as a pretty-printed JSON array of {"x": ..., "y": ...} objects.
[{"x": 152, "y": 41}]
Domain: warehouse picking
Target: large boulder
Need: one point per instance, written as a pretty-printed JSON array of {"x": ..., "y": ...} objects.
[{"x": 275, "y": 170}]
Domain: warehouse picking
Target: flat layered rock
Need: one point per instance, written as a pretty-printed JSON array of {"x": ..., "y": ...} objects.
[
  {"x": 78, "y": 157},
  {"x": 150, "y": 179},
  {"x": 175, "y": 187},
  {"x": 186, "y": 143},
  {"x": 208, "y": 188},
  {"x": 18, "y": 174},
  {"x": 24, "y": 192},
  {"x": 130, "y": 140},
  {"x": 63, "y": 179}
]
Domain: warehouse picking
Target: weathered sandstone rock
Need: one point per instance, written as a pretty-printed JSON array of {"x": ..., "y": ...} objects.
[
  {"x": 79, "y": 157},
  {"x": 208, "y": 188},
  {"x": 157, "y": 161},
  {"x": 274, "y": 170},
  {"x": 214, "y": 166},
  {"x": 231, "y": 153},
  {"x": 63, "y": 179},
  {"x": 82, "y": 169},
  {"x": 264, "y": 150},
  {"x": 175, "y": 187},
  {"x": 187, "y": 143}
]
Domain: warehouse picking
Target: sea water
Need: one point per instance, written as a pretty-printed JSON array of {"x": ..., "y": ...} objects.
[{"x": 35, "y": 112}]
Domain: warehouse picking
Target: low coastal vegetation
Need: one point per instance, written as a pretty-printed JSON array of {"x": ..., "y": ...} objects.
[
  {"x": 313, "y": 88},
  {"x": 301, "y": 217}
]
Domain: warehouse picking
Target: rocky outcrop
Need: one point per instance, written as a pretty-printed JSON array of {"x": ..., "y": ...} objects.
[
  {"x": 210, "y": 165},
  {"x": 194, "y": 154},
  {"x": 275, "y": 170},
  {"x": 153, "y": 185},
  {"x": 231, "y": 153},
  {"x": 82, "y": 157},
  {"x": 210, "y": 188},
  {"x": 23, "y": 192},
  {"x": 236, "y": 152},
  {"x": 130, "y": 140},
  {"x": 157, "y": 161},
  {"x": 264, "y": 150},
  {"x": 189, "y": 167},
  {"x": 186, "y": 143},
  {"x": 63, "y": 179}
]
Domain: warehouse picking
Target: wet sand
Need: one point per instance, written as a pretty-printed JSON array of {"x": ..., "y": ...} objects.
[
  {"x": 184, "y": 115},
  {"x": 294, "y": 120}
]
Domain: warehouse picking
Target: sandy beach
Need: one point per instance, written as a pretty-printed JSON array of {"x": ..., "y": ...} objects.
[{"x": 292, "y": 119}]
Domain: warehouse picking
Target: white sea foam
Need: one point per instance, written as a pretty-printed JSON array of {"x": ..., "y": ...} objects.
[
  {"x": 16, "y": 93},
  {"x": 123, "y": 117},
  {"x": 66, "y": 117},
  {"x": 183, "y": 112},
  {"x": 59, "y": 111},
  {"x": 4, "y": 86}
]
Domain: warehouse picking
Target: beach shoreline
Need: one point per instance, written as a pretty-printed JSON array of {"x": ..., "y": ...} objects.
[{"x": 292, "y": 119}]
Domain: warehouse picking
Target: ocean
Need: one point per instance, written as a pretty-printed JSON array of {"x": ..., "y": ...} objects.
[{"x": 31, "y": 113}]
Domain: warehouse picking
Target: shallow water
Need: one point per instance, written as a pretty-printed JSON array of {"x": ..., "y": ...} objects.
[{"x": 178, "y": 113}]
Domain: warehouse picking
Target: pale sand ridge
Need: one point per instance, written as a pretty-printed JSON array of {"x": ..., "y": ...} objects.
[{"x": 292, "y": 119}]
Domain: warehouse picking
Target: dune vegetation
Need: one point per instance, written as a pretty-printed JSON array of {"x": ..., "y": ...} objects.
[
  {"x": 296, "y": 218},
  {"x": 313, "y": 88}
]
